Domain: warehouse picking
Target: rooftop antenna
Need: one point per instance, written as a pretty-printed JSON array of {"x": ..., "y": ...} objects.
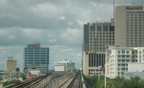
[
  {"x": 133, "y": 2},
  {"x": 113, "y": 9}
]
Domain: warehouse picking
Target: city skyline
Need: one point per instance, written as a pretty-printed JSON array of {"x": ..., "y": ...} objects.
[{"x": 57, "y": 24}]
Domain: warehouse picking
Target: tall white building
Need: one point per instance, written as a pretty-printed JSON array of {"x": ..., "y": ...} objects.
[
  {"x": 64, "y": 65},
  {"x": 129, "y": 26},
  {"x": 117, "y": 59},
  {"x": 10, "y": 64}
]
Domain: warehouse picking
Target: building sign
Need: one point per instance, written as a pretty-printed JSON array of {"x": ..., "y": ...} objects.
[{"x": 134, "y": 7}]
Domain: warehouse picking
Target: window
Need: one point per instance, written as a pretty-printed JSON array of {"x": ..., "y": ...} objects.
[
  {"x": 127, "y": 52},
  {"x": 139, "y": 52},
  {"x": 99, "y": 28},
  {"x": 92, "y": 28},
  {"x": 119, "y": 56},
  {"x": 105, "y": 28},
  {"x": 123, "y": 52}
]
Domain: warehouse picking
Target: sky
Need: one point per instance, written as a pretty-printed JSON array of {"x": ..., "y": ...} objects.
[{"x": 57, "y": 24}]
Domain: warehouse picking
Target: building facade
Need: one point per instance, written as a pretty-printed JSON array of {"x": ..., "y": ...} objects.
[
  {"x": 64, "y": 66},
  {"x": 129, "y": 25},
  {"x": 136, "y": 67},
  {"x": 118, "y": 58},
  {"x": 36, "y": 57},
  {"x": 10, "y": 64},
  {"x": 95, "y": 38}
]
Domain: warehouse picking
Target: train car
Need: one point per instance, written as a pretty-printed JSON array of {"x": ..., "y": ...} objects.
[{"x": 78, "y": 71}]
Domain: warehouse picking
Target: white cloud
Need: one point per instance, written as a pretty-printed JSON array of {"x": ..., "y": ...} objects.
[
  {"x": 70, "y": 23},
  {"x": 61, "y": 18},
  {"x": 72, "y": 36},
  {"x": 32, "y": 33},
  {"x": 9, "y": 15},
  {"x": 4, "y": 32},
  {"x": 47, "y": 10},
  {"x": 11, "y": 37}
]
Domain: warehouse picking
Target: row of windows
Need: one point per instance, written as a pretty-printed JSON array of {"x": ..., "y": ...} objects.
[
  {"x": 127, "y": 52},
  {"x": 135, "y": 40},
  {"x": 134, "y": 45},
  {"x": 130, "y": 28},
  {"x": 134, "y": 22},
  {"x": 101, "y": 42},
  {"x": 102, "y": 39},
  {"x": 123, "y": 56},
  {"x": 104, "y": 36},
  {"x": 28, "y": 58},
  {"x": 132, "y": 32},
  {"x": 36, "y": 63},
  {"x": 94, "y": 69},
  {"x": 133, "y": 25},
  {"x": 123, "y": 52},
  {"x": 123, "y": 64},
  {"x": 102, "y": 33},
  {"x": 134, "y": 17},
  {"x": 140, "y": 39},
  {"x": 36, "y": 56},
  {"x": 135, "y": 30},
  {"x": 134, "y": 35},
  {"x": 135, "y": 14}
]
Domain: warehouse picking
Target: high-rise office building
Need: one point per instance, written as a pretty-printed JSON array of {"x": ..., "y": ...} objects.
[
  {"x": 10, "y": 64},
  {"x": 95, "y": 38},
  {"x": 129, "y": 26},
  {"x": 36, "y": 57}
]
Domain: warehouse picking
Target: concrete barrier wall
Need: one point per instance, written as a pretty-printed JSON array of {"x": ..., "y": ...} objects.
[{"x": 51, "y": 81}]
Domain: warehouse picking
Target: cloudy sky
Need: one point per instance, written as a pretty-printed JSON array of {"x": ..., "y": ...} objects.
[{"x": 54, "y": 23}]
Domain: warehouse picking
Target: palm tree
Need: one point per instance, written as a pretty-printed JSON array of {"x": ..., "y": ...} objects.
[
  {"x": 17, "y": 70},
  {"x": 135, "y": 82}
]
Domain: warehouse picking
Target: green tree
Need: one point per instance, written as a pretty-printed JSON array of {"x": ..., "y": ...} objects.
[
  {"x": 23, "y": 76},
  {"x": 92, "y": 80},
  {"x": 17, "y": 70},
  {"x": 16, "y": 82},
  {"x": 6, "y": 83},
  {"x": 1, "y": 78},
  {"x": 135, "y": 82}
]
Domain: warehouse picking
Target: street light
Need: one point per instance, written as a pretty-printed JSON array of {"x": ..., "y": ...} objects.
[
  {"x": 99, "y": 74},
  {"x": 120, "y": 71},
  {"x": 106, "y": 63},
  {"x": 105, "y": 74}
]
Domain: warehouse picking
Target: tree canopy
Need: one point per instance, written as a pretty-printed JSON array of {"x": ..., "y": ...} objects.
[{"x": 118, "y": 82}]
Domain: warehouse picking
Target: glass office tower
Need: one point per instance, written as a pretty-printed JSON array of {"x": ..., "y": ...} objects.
[{"x": 36, "y": 57}]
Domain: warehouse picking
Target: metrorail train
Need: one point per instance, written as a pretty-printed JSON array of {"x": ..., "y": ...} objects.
[{"x": 78, "y": 71}]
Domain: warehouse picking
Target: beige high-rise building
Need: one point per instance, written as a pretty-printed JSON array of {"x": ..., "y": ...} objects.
[
  {"x": 95, "y": 38},
  {"x": 10, "y": 64},
  {"x": 129, "y": 26}
]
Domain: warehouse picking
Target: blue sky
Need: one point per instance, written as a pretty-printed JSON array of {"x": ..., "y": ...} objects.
[{"x": 56, "y": 24}]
